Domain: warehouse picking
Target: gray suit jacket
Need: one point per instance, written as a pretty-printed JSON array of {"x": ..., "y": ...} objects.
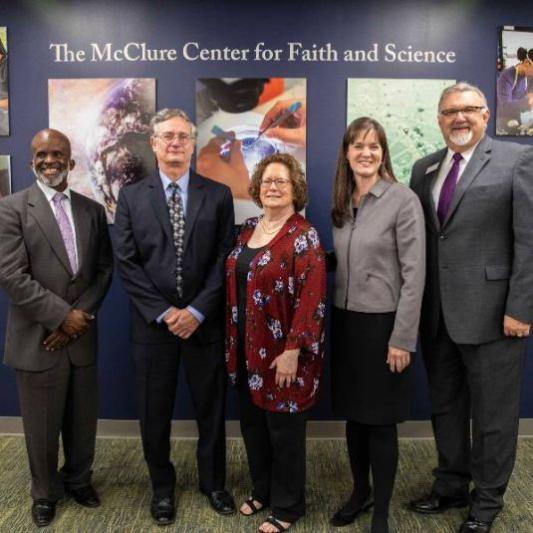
[
  {"x": 381, "y": 260},
  {"x": 35, "y": 272},
  {"x": 480, "y": 262}
]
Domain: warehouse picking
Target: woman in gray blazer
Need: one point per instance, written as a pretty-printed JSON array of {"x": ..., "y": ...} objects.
[{"x": 379, "y": 243}]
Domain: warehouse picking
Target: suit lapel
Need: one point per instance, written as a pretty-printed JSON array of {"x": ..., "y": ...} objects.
[
  {"x": 429, "y": 183},
  {"x": 479, "y": 159},
  {"x": 82, "y": 223},
  {"x": 159, "y": 204},
  {"x": 42, "y": 212},
  {"x": 195, "y": 200}
]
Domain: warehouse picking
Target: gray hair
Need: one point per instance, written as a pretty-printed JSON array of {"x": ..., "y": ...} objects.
[
  {"x": 166, "y": 114},
  {"x": 462, "y": 87}
]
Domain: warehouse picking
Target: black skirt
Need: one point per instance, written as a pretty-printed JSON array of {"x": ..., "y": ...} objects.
[{"x": 363, "y": 388}]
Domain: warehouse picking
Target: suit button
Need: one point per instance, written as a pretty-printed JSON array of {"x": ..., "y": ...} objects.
[{"x": 443, "y": 237}]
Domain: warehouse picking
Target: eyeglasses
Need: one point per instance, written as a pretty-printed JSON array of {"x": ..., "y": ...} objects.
[
  {"x": 279, "y": 182},
  {"x": 468, "y": 111},
  {"x": 168, "y": 137}
]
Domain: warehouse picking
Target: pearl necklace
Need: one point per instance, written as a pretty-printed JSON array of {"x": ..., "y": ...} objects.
[{"x": 277, "y": 227}]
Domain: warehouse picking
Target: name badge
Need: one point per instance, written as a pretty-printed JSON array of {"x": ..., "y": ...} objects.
[{"x": 433, "y": 167}]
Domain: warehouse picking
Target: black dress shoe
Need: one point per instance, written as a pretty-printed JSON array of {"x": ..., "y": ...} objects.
[
  {"x": 43, "y": 512},
  {"x": 472, "y": 525},
  {"x": 85, "y": 496},
  {"x": 350, "y": 511},
  {"x": 221, "y": 501},
  {"x": 434, "y": 503},
  {"x": 163, "y": 511}
]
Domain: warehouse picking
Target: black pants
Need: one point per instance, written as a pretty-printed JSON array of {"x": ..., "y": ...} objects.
[
  {"x": 483, "y": 382},
  {"x": 60, "y": 400},
  {"x": 275, "y": 446},
  {"x": 157, "y": 368},
  {"x": 375, "y": 448}
]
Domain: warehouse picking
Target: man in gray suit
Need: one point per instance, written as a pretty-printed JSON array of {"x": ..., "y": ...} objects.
[
  {"x": 477, "y": 196},
  {"x": 55, "y": 265}
]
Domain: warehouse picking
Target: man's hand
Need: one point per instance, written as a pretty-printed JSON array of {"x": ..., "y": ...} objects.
[
  {"x": 181, "y": 322},
  {"x": 76, "y": 323},
  {"x": 515, "y": 328},
  {"x": 56, "y": 340},
  {"x": 232, "y": 171},
  {"x": 286, "y": 365},
  {"x": 397, "y": 359}
]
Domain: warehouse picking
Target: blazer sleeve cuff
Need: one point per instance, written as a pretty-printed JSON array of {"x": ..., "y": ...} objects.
[{"x": 403, "y": 343}]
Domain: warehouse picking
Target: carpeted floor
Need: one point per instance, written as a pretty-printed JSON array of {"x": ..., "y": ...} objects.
[{"x": 121, "y": 479}]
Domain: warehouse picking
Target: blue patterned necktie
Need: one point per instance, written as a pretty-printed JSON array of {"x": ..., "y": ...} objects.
[
  {"x": 448, "y": 188},
  {"x": 177, "y": 220}
]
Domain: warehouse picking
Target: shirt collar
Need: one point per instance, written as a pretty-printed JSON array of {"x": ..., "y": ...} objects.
[
  {"x": 49, "y": 192},
  {"x": 183, "y": 182},
  {"x": 379, "y": 187}
]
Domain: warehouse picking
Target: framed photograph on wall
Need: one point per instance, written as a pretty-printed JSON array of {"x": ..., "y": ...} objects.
[
  {"x": 242, "y": 120},
  {"x": 514, "y": 81},
  {"x": 107, "y": 122},
  {"x": 5, "y": 175},
  {"x": 4, "y": 84},
  {"x": 407, "y": 109}
]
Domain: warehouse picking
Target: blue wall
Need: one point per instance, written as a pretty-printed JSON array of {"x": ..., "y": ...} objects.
[{"x": 469, "y": 28}]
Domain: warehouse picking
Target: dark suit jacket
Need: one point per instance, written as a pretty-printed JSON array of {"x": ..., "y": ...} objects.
[
  {"x": 480, "y": 262},
  {"x": 147, "y": 258},
  {"x": 36, "y": 274}
]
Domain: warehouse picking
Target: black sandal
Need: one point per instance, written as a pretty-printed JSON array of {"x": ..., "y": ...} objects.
[
  {"x": 276, "y": 523},
  {"x": 253, "y": 507}
]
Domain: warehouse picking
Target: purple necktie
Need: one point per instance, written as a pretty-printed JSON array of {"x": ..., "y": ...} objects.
[
  {"x": 66, "y": 229},
  {"x": 448, "y": 188}
]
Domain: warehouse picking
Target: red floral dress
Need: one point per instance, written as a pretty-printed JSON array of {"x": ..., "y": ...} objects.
[{"x": 286, "y": 302}]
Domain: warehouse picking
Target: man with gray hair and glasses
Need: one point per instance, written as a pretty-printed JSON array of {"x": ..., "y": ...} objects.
[
  {"x": 173, "y": 233},
  {"x": 477, "y": 196}
]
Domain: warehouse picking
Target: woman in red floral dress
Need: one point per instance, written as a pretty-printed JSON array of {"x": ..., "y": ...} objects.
[{"x": 276, "y": 292}]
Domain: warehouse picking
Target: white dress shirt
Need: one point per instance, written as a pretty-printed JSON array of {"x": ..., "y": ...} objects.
[{"x": 445, "y": 168}]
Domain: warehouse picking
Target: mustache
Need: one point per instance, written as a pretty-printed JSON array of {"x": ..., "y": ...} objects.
[{"x": 43, "y": 178}]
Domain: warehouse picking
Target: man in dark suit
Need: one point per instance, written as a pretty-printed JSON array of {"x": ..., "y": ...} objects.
[
  {"x": 174, "y": 231},
  {"x": 477, "y": 197},
  {"x": 55, "y": 264}
]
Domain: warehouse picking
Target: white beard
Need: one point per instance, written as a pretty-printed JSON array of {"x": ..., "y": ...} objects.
[
  {"x": 460, "y": 139},
  {"x": 47, "y": 181}
]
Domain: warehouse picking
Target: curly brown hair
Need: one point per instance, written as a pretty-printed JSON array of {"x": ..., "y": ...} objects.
[{"x": 296, "y": 175}]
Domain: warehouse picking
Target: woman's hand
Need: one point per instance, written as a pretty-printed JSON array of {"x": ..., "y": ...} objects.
[
  {"x": 397, "y": 359},
  {"x": 286, "y": 366}
]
